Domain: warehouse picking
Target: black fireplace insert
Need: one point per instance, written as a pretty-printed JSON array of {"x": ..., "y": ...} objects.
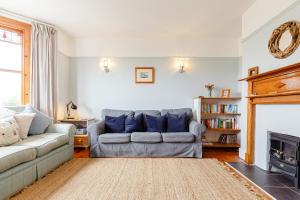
[{"x": 284, "y": 155}]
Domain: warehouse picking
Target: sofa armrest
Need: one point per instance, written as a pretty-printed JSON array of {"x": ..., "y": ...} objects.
[
  {"x": 94, "y": 130},
  {"x": 196, "y": 129},
  {"x": 69, "y": 129}
]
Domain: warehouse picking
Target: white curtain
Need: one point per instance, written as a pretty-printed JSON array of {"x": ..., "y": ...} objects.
[{"x": 43, "y": 69}]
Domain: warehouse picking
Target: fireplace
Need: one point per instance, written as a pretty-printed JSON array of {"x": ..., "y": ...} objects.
[{"x": 284, "y": 155}]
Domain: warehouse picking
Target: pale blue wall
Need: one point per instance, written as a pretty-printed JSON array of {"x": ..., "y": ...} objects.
[{"x": 93, "y": 89}]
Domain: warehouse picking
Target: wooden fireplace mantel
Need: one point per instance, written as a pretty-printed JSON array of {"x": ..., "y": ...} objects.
[{"x": 279, "y": 86}]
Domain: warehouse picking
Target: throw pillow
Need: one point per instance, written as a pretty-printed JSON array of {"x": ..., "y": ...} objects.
[
  {"x": 134, "y": 123},
  {"x": 177, "y": 123},
  {"x": 5, "y": 113},
  {"x": 9, "y": 131},
  {"x": 39, "y": 123},
  {"x": 24, "y": 121},
  {"x": 115, "y": 124},
  {"x": 155, "y": 124}
]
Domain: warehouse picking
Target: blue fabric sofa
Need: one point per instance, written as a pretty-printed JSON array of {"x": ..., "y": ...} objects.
[
  {"x": 24, "y": 162},
  {"x": 146, "y": 144}
]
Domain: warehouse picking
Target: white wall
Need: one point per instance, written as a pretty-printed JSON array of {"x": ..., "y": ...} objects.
[
  {"x": 281, "y": 118},
  {"x": 63, "y": 86},
  {"x": 93, "y": 89},
  {"x": 156, "y": 47},
  {"x": 261, "y": 12},
  {"x": 64, "y": 43}
]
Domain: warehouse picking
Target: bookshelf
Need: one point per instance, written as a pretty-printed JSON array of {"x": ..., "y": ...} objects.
[{"x": 221, "y": 117}]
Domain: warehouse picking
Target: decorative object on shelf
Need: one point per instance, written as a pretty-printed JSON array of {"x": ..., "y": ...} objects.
[
  {"x": 144, "y": 74},
  {"x": 181, "y": 66},
  {"x": 210, "y": 88},
  {"x": 225, "y": 93},
  {"x": 252, "y": 71},
  {"x": 106, "y": 65},
  {"x": 293, "y": 29},
  {"x": 73, "y": 106}
]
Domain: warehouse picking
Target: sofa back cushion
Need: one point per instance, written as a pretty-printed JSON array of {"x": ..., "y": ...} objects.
[
  {"x": 155, "y": 124},
  {"x": 5, "y": 112},
  {"x": 134, "y": 123},
  {"x": 177, "y": 123},
  {"x": 39, "y": 123},
  {"x": 188, "y": 111},
  {"x": 115, "y": 113},
  {"x": 115, "y": 124}
]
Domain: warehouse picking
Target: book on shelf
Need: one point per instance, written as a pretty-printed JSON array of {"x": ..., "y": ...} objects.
[
  {"x": 228, "y": 123},
  {"x": 227, "y": 139},
  {"x": 219, "y": 108}
]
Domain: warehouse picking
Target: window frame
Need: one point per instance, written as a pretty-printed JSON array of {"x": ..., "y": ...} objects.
[{"x": 25, "y": 30}]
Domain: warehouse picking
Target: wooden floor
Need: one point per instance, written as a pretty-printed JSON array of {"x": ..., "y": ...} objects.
[
  {"x": 228, "y": 155},
  {"x": 223, "y": 155}
]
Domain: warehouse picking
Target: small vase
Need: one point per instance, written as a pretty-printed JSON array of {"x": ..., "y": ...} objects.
[{"x": 209, "y": 93}]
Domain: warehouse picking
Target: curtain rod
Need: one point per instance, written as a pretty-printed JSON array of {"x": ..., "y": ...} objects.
[{"x": 23, "y": 18}]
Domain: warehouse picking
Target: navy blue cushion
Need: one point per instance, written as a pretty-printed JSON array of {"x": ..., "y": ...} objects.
[
  {"x": 177, "y": 123},
  {"x": 155, "y": 124},
  {"x": 134, "y": 123},
  {"x": 115, "y": 124}
]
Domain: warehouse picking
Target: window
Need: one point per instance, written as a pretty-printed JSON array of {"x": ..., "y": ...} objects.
[{"x": 14, "y": 62}]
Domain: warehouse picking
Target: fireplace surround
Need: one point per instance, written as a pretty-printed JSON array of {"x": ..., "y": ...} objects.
[{"x": 284, "y": 155}]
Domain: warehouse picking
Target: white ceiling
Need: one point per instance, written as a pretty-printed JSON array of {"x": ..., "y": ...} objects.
[{"x": 137, "y": 18}]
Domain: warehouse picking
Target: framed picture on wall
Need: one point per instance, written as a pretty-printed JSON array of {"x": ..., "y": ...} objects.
[{"x": 144, "y": 74}]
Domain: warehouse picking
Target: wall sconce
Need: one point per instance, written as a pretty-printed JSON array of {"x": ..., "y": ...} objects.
[
  {"x": 181, "y": 66},
  {"x": 105, "y": 65}
]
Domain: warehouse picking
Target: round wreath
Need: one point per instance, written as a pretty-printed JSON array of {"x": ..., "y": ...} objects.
[{"x": 294, "y": 28}]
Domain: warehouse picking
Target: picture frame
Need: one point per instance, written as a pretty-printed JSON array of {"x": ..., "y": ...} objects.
[
  {"x": 144, "y": 74},
  {"x": 225, "y": 93},
  {"x": 253, "y": 71}
]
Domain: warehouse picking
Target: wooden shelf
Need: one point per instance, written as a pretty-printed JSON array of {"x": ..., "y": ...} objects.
[
  {"x": 219, "y": 114},
  {"x": 220, "y": 98},
  {"x": 219, "y": 145},
  {"x": 224, "y": 130}
]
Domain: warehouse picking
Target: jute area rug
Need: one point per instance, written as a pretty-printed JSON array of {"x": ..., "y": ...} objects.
[{"x": 139, "y": 178}]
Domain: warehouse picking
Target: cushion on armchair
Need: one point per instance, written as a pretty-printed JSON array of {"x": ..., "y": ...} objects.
[{"x": 115, "y": 124}]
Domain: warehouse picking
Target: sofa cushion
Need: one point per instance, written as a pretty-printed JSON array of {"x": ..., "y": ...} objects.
[
  {"x": 9, "y": 131},
  {"x": 146, "y": 137},
  {"x": 45, "y": 143},
  {"x": 155, "y": 113},
  {"x": 39, "y": 123},
  {"x": 178, "y": 137},
  {"x": 24, "y": 121},
  {"x": 115, "y": 113},
  {"x": 177, "y": 123},
  {"x": 114, "y": 138},
  {"x": 115, "y": 124},
  {"x": 155, "y": 124},
  {"x": 134, "y": 123},
  {"x": 188, "y": 111},
  {"x": 11, "y": 156}
]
